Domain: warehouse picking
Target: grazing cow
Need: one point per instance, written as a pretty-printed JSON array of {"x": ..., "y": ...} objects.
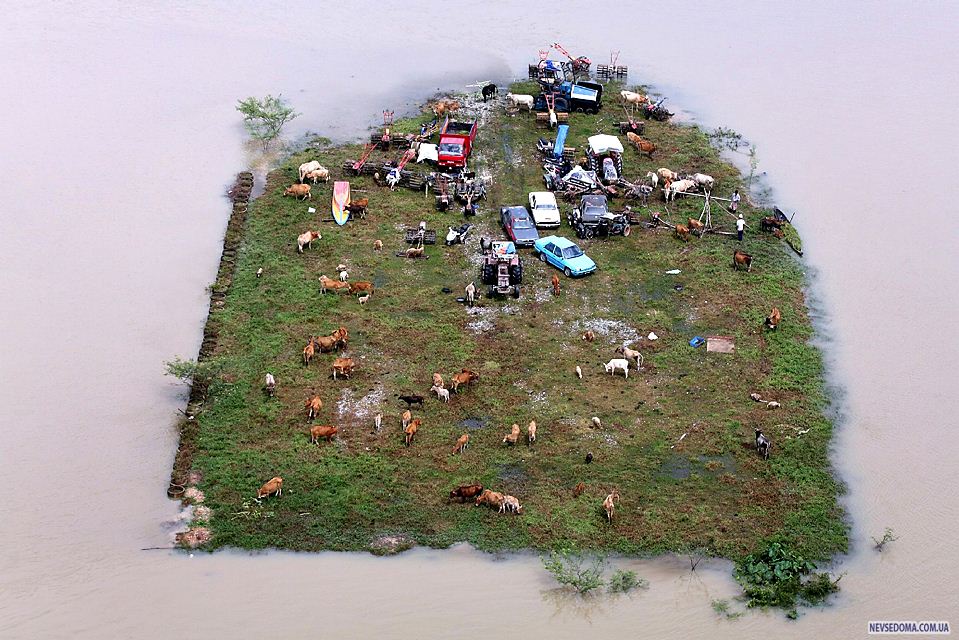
[
  {"x": 308, "y": 352},
  {"x": 773, "y": 319},
  {"x": 704, "y": 180},
  {"x": 313, "y": 406},
  {"x": 643, "y": 146},
  {"x": 322, "y": 431},
  {"x": 510, "y": 504},
  {"x": 678, "y": 187},
  {"x": 682, "y": 232},
  {"x": 319, "y": 174},
  {"x": 579, "y": 489},
  {"x": 441, "y": 393},
  {"x": 377, "y": 245},
  {"x": 588, "y": 335},
  {"x": 274, "y": 486},
  {"x": 470, "y": 294},
  {"x": 307, "y": 167},
  {"x": 742, "y": 259},
  {"x": 579, "y": 372},
  {"x": 665, "y": 174},
  {"x": 270, "y": 385},
  {"x": 695, "y": 226},
  {"x": 361, "y": 285},
  {"x": 555, "y": 282},
  {"x": 306, "y": 239},
  {"x": 358, "y": 207},
  {"x": 329, "y": 284},
  {"x": 617, "y": 364},
  {"x": 463, "y": 378},
  {"x": 343, "y": 367},
  {"x": 461, "y": 443},
  {"x": 631, "y": 354},
  {"x": 412, "y": 399},
  {"x": 301, "y": 191},
  {"x": 631, "y": 97},
  {"x": 763, "y": 444},
  {"x": 531, "y": 433},
  {"x": 769, "y": 223},
  {"x": 445, "y": 106},
  {"x": 610, "y": 504},
  {"x": 325, "y": 343},
  {"x": 521, "y": 99},
  {"x": 466, "y": 491},
  {"x": 489, "y": 91},
  {"x": 406, "y": 418},
  {"x": 411, "y": 430},
  {"x": 512, "y": 436},
  {"x": 341, "y": 335},
  {"x": 492, "y": 498}
]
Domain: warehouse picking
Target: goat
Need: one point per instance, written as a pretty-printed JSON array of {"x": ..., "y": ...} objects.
[
  {"x": 438, "y": 380},
  {"x": 377, "y": 422},
  {"x": 555, "y": 281},
  {"x": 742, "y": 259},
  {"x": 377, "y": 245},
  {"x": 512, "y": 436},
  {"x": 579, "y": 372},
  {"x": 596, "y": 422},
  {"x": 470, "y": 294},
  {"x": 441, "y": 393},
  {"x": 270, "y": 385},
  {"x": 364, "y": 299},
  {"x": 773, "y": 319},
  {"x": 344, "y": 276},
  {"x": 273, "y": 486},
  {"x": 259, "y": 272},
  {"x": 531, "y": 433},
  {"x": 589, "y": 457},
  {"x": 461, "y": 443},
  {"x": 520, "y": 99},
  {"x": 489, "y": 91},
  {"x": 763, "y": 444},
  {"x": 617, "y": 364}
]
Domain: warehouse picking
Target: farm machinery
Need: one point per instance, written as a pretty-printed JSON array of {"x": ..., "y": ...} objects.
[{"x": 502, "y": 268}]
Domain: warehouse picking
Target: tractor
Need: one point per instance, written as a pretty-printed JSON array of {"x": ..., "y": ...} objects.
[{"x": 502, "y": 268}]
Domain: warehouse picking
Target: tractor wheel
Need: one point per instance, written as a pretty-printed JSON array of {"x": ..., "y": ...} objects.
[
  {"x": 542, "y": 257},
  {"x": 516, "y": 274},
  {"x": 587, "y": 233},
  {"x": 491, "y": 292},
  {"x": 626, "y": 231},
  {"x": 567, "y": 272},
  {"x": 516, "y": 292},
  {"x": 489, "y": 275}
]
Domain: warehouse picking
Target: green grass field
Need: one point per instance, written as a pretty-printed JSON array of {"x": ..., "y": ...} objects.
[{"x": 707, "y": 490}]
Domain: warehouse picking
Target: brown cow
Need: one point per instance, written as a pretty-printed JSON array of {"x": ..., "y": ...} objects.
[
  {"x": 313, "y": 406},
  {"x": 445, "y": 106},
  {"x": 325, "y": 343},
  {"x": 531, "y": 433},
  {"x": 588, "y": 335},
  {"x": 682, "y": 232},
  {"x": 461, "y": 443},
  {"x": 512, "y": 436},
  {"x": 696, "y": 226},
  {"x": 555, "y": 282},
  {"x": 341, "y": 335},
  {"x": 308, "y": 352},
  {"x": 322, "y": 431},
  {"x": 411, "y": 430},
  {"x": 327, "y": 284},
  {"x": 466, "y": 491},
  {"x": 358, "y": 207},
  {"x": 643, "y": 146},
  {"x": 415, "y": 252},
  {"x": 492, "y": 498},
  {"x": 610, "y": 504},
  {"x": 361, "y": 286},
  {"x": 301, "y": 191},
  {"x": 773, "y": 319},
  {"x": 273, "y": 486},
  {"x": 579, "y": 489},
  {"x": 344, "y": 367},
  {"x": 742, "y": 259},
  {"x": 463, "y": 378}
]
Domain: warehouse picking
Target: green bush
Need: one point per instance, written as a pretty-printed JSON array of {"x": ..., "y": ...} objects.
[{"x": 775, "y": 578}]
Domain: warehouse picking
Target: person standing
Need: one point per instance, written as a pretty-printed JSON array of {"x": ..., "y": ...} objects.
[
  {"x": 740, "y": 226},
  {"x": 734, "y": 201}
]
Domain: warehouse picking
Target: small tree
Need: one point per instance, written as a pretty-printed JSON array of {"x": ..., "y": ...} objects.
[
  {"x": 753, "y": 163},
  {"x": 265, "y": 117},
  {"x": 570, "y": 569},
  {"x": 887, "y": 537}
]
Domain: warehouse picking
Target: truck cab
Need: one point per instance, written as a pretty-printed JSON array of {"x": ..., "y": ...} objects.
[{"x": 456, "y": 143}]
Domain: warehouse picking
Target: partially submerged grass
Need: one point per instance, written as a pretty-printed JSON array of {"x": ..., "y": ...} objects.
[{"x": 706, "y": 490}]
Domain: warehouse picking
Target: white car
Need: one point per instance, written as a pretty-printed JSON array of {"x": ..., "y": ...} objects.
[{"x": 542, "y": 206}]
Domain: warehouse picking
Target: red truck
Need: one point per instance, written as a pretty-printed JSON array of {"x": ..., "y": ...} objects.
[{"x": 456, "y": 142}]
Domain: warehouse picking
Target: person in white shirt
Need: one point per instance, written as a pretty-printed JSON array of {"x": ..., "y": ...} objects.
[
  {"x": 734, "y": 201},
  {"x": 740, "y": 226}
]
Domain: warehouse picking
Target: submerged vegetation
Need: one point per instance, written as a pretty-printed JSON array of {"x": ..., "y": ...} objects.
[
  {"x": 676, "y": 439},
  {"x": 264, "y": 118}
]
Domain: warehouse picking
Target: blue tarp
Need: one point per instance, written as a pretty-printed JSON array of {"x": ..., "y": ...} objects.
[{"x": 561, "y": 133}]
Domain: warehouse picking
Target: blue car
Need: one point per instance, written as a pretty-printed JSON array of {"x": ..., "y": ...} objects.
[{"x": 564, "y": 254}]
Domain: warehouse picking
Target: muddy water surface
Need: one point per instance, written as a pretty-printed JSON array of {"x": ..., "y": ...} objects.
[{"x": 119, "y": 138}]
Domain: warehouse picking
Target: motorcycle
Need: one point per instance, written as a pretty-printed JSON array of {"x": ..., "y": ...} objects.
[{"x": 458, "y": 234}]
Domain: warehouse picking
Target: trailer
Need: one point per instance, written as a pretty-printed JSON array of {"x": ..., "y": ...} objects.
[
  {"x": 585, "y": 97},
  {"x": 456, "y": 143}
]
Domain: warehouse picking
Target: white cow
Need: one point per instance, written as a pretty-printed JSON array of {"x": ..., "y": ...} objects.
[
  {"x": 617, "y": 364},
  {"x": 519, "y": 99},
  {"x": 703, "y": 180},
  {"x": 632, "y": 97},
  {"x": 677, "y": 187},
  {"x": 307, "y": 167}
]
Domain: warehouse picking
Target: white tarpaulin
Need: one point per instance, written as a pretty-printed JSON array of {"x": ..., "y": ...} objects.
[
  {"x": 602, "y": 143},
  {"x": 579, "y": 173},
  {"x": 427, "y": 152}
]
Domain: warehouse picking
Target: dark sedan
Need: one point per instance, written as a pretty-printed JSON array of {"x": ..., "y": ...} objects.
[{"x": 518, "y": 225}]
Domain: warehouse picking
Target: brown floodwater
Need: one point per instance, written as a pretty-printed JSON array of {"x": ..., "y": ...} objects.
[{"x": 119, "y": 137}]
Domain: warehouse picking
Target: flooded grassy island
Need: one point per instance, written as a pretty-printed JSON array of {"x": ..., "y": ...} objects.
[{"x": 676, "y": 439}]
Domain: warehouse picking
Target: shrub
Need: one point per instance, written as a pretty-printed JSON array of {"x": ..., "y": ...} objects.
[
  {"x": 265, "y": 117},
  {"x": 570, "y": 569},
  {"x": 774, "y": 578},
  {"x": 623, "y": 581}
]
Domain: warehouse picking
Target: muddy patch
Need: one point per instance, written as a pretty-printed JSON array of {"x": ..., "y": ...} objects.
[
  {"x": 391, "y": 545},
  {"x": 475, "y": 423}
]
